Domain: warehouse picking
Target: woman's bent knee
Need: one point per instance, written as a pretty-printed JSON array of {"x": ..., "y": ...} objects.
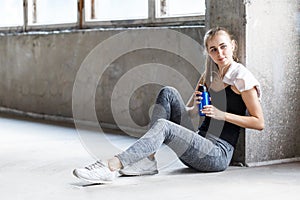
[
  {"x": 162, "y": 121},
  {"x": 168, "y": 89}
]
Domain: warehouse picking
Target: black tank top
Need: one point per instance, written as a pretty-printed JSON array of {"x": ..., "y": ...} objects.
[{"x": 225, "y": 100}]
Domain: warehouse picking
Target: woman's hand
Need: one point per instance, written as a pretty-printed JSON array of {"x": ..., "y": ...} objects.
[
  {"x": 197, "y": 99},
  {"x": 193, "y": 105},
  {"x": 213, "y": 112}
]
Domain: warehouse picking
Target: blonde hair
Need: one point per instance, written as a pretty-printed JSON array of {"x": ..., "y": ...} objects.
[{"x": 211, "y": 68}]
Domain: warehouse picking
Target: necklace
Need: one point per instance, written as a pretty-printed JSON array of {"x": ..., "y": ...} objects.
[{"x": 223, "y": 71}]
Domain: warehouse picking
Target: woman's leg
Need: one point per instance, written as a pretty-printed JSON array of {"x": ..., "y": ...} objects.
[
  {"x": 162, "y": 131},
  {"x": 194, "y": 150},
  {"x": 203, "y": 155},
  {"x": 215, "y": 158},
  {"x": 169, "y": 105}
]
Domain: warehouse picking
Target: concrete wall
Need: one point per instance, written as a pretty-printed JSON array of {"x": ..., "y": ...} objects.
[
  {"x": 38, "y": 71},
  {"x": 231, "y": 15},
  {"x": 268, "y": 37},
  {"x": 272, "y": 53}
]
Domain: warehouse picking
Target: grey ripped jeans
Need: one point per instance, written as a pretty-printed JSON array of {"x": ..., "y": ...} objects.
[{"x": 170, "y": 124}]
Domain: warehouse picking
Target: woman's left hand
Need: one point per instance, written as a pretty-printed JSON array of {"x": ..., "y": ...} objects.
[{"x": 213, "y": 112}]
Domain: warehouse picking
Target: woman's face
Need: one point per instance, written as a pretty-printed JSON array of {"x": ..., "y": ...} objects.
[{"x": 220, "y": 48}]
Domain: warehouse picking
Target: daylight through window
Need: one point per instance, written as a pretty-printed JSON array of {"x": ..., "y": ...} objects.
[
  {"x": 42, "y": 12},
  {"x": 11, "y": 13},
  {"x": 39, "y": 14}
]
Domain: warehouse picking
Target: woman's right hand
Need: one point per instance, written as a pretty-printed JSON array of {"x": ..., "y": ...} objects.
[
  {"x": 193, "y": 103},
  {"x": 197, "y": 98},
  {"x": 194, "y": 110}
]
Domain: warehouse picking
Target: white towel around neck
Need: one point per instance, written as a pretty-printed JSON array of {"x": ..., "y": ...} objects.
[{"x": 240, "y": 77}]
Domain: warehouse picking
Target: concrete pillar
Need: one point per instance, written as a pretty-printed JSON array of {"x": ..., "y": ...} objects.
[
  {"x": 268, "y": 37},
  {"x": 231, "y": 15}
]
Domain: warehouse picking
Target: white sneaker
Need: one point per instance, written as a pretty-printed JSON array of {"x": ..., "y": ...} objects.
[
  {"x": 142, "y": 167},
  {"x": 96, "y": 173}
]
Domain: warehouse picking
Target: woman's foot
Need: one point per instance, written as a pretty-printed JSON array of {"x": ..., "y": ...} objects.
[
  {"x": 114, "y": 164},
  {"x": 146, "y": 166},
  {"x": 97, "y": 172}
]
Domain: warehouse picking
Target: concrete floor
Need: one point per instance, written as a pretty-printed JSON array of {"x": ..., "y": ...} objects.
[{"x": 37, "y": 159}]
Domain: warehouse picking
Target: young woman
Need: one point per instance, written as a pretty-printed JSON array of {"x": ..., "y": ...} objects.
[{"x": 233, "y": 90}]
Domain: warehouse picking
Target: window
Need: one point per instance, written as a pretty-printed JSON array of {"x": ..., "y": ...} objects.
[
  {"x": 179, "y": 8},
  {"x": 136, "y": 12},
  {"x": 54, "y": 14},
  {"x": 11, "y": 13},
  {"x": 106, "y": 10},
  {"x": 43, "y": 12}
]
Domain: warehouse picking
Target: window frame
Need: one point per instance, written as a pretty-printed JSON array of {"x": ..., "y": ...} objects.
[
  {"x": 150, "y": 21},
  {"x": 82, "y": 23}
]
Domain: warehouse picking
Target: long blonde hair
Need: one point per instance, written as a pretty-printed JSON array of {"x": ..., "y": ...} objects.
[{"x": 211, "y": 68}]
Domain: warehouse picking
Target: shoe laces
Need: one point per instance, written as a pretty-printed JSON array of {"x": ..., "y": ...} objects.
[{"x": 96, "y": 165}]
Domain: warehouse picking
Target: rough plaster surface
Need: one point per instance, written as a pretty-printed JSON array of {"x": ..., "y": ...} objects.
[
  {"x": 37, "y": 71},
  {"x": 273, "y": 56}
]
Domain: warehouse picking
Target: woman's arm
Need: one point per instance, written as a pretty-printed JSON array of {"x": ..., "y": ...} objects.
[{"x": 255, "y": 120}]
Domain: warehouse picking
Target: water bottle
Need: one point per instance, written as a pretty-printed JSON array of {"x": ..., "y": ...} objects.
[{"x": 205, "y": 98}]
